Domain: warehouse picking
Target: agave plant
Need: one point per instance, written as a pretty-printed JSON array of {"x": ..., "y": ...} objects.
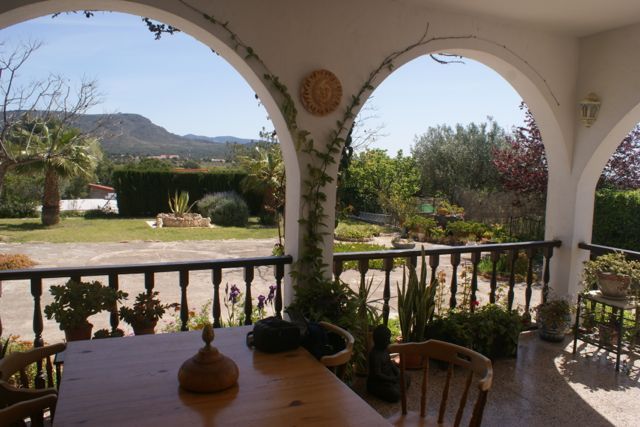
[
  {"x": 179, "y": 203},
  {"x": 416, "y": 303}
]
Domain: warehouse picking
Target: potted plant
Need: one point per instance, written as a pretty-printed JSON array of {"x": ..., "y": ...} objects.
[
  {"x": 145, "y": 313},
  {"x": 75, "y": 301},
  {"x": 613, "y": 274},
  {"x": 554, "y": 319},
  {"x": 416, "y": 305}
]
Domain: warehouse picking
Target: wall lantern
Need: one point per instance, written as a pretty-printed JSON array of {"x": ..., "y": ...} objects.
[{"x": 589, "y": 108}]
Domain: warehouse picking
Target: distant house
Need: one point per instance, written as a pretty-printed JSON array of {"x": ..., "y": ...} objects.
[
  {"x": 97, "y": 191},
  {"x": 164, "y": 157}
]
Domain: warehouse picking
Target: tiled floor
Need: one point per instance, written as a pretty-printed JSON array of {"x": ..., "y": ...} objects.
[{"x": 547, "y": 386}]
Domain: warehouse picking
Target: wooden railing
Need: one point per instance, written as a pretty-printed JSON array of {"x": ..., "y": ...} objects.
[
  {"x": 455, "y": 253},
  {"x": 597, "y": 250},
  {"x": 113, "y": 272}
]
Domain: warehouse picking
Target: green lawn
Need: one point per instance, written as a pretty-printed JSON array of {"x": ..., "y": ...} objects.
[{"x": 119, "y": 230}]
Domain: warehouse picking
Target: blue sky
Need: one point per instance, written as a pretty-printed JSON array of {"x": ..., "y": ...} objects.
[{"x": 181, "y": 85}]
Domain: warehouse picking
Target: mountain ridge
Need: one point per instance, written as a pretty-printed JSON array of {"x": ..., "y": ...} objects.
[{"x": 136, "y": 135}]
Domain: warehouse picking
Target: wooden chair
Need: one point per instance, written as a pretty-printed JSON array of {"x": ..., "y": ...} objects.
[
  {"x": 15, "y": 414},
  {"x": 17, "y": 363},
  {"x": 337, "y": 362},
  {"x": 472, "y": 362}
]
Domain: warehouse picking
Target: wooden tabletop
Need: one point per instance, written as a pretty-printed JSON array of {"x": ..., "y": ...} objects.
[{"x": 133, "y": 381}]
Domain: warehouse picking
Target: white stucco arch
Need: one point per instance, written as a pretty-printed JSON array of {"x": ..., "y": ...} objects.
[{"x": 180, "y": 17}]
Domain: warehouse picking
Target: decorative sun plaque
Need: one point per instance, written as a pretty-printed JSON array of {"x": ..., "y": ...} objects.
[{"x": 321, "y": 92}]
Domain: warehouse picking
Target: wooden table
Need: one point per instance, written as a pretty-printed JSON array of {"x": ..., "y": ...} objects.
[{"x": 132, "y": 381}]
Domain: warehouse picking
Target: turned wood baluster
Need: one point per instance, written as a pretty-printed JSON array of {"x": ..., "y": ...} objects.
[
  {"x": 434, "y": 262},
  {"x": 184, "y": 305},
  {"x": 76, "y": 278},
  {"x": 386, "y": 295},
  {"x": 279, "y": 273},
  {"x": 548, "y": 253},
  {"x": 363, "y": 267},
  {"x": 149, "y": 281},
  {"x": 248, "y": 308},
  {"x": 337, "y": 269},
  {"x": 530, "y": 255},
  {"x": 38, "y": 326},
  {"x": 475, "y": 260},
  {"x": 513, "y": 257},
  {"x": 455, "y": 262},
  {"x": 114, "y": 320},
  {"x": 216, "y": 278},
  {"x": 495, "y": 256}
]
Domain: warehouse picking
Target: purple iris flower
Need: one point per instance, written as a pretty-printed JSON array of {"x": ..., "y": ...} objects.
[
  {"x": 272, "y": 294},
  {"x": 261, "y": 299},
  {"x": 234, "y": 294}
]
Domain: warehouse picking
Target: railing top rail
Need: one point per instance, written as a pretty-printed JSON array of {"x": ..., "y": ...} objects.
[
  {"x": 399, "y": 253},
  {"x": 104, "y": 270},
  {"x": 601, "y": 250}
]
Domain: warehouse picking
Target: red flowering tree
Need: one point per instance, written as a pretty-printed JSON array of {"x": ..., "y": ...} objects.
[
  {"x": 522, "y": 163},
  {"x": 622, "y": 171}
]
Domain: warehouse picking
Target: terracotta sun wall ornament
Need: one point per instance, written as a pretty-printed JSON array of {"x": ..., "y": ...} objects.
[{"x": 321, "y": 92}]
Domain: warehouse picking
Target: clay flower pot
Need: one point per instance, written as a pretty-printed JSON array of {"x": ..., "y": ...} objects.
[
  {"x": 147, "y": 328},
  {"x": 79, "y": 333},
  {"x": 614, "y": 286}
]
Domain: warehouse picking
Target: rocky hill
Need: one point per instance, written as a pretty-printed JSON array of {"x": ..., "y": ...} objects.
[{"x": 133, "y": 134}]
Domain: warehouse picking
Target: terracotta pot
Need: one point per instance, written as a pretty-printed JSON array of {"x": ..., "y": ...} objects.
[
  {"x": 614, "y": 286},
  {"x": 553, "y": 331},
  {"x": 148, "y": 328},
  {"x": 79, "y": 333}
]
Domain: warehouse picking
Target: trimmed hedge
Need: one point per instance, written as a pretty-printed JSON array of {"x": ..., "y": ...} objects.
[
  {"x": 146, "y": 193},
  {"x": 616, "y": 219}
]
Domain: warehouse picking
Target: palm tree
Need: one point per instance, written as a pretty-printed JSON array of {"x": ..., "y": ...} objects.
[
  {"x": 265, "y": 173},
  {"x": 65, "y": 152}
]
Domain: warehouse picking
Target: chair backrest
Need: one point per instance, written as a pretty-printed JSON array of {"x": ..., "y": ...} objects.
[
  {"x": 454, "y": 355},
  {"x": 337, "y": 361},
  {"x": 19, "y": 362},
  {"x": 30, "y": 408}
]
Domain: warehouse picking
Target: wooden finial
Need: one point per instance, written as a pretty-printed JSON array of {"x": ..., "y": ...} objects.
[{"x": 208, "y": 335}]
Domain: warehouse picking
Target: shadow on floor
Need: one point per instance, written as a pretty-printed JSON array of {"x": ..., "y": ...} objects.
[{"x": 545, "y": 386}]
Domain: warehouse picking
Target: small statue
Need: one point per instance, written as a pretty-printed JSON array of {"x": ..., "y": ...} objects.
[{"x": 384, "y": 376}]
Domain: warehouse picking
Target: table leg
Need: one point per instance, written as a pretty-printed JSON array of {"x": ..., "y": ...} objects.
[
  {"x": 620, "y": 329},
  {"x": 575, "y": 327}
]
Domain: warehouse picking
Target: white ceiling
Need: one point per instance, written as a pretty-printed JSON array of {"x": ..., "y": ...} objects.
[{"x": 574, "y": 17}]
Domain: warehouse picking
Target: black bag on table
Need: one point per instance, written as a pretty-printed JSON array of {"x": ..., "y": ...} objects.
[{"x": 273, "y": 335}]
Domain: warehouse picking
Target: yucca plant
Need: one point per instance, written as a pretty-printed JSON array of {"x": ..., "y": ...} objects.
[
  {"x": 179, "y": 203},
  {"x": 416, "y": 303}
]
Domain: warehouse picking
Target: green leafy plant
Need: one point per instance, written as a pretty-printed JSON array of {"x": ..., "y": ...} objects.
[
  {"x": 466, "y": 230},
  {"x": 356, "y": 232},
  {"x": 226, "y": 209},
  {"x": 491, "y": 330},
  {"x": 75, "y": 301},
  {"x": 503, "y": 266},
  {"x": 615, "y": 262},
  {"x": 444, "y": 207},
  {"x": 146, "y": 310},
  {"x": 553, "y": 311},
  {"x": 421, "y": 224},
  {"x": 179, "y": 203},
  {"x": 416, "y": 303}
]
